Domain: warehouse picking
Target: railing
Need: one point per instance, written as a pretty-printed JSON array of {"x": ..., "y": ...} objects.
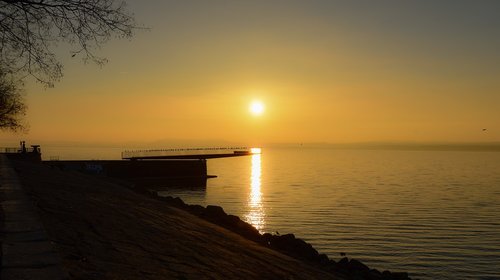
[
  {"x": 181, "y": 151},
  {"x": 7, "y": 150},
  {"x": 17, "y": 150}
]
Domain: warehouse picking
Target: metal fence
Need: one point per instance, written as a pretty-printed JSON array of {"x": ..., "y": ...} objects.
[{"x": 10, "y": 150}]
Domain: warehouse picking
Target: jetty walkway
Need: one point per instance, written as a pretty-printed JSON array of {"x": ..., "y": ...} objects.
[
  {"x": 190, "y": 153},
  {"x": 26, "y": 253}
]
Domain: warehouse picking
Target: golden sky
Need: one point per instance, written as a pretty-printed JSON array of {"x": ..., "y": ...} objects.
[{"x": 327, "y": 71}]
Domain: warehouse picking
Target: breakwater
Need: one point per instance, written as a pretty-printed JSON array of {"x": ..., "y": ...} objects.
[
  {"x": 95, "y": 222},
  {"x": 144, "y": 169},
  {"x": 287, "y": 243},
  {"x": 104, "y": 230}
]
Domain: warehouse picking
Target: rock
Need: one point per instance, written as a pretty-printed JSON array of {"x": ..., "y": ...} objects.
[
  {"x": 215, "y": 211},
  {"x": 266, "y": 239},
  {"x": 306, "y": 250},
  {"x": 197, "y": 210},
  {"x": 283, "y": 242},
  {"x": 287, "y": 237},
  {"x": 323, "y": 259},
  {"x": 294, "y": 247},
  {"x": 233, "y": 220},
  {"x": 288, "y": 243},
  {"x": 343, "y": 262},
  {"x": 400, "y": 275},
  {"x": 386, "y": 274},
  {"x": 248, "y": 231},
  {"x": 178, "y": 201},
  {"x": 357, "y": 265},
  {"x": 375, "y": 274},
  {"x": 341, "y": 265},
  {"x": 267, "y": 236}
]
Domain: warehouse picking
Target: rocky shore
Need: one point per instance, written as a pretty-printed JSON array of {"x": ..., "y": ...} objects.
[
  {"x": 107, "y": 230},
  {"x": 287, "y": 244}
]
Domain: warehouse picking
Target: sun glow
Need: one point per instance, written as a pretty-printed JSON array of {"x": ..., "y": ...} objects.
[
  {"x": 255, "y": 150},
  {"x": 256, "y": 108}
]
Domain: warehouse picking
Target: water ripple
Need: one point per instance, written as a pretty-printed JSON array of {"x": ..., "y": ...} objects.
[{"x": 433, "y": 214}]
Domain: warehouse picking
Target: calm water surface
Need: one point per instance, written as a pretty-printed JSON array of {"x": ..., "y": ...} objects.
[{"x": 433, "y": 214}]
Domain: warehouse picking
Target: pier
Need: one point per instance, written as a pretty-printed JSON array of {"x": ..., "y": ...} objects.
[
  {"x": 190, "y": 153},
  {"x": 22, "y": 152},
  {"x": 152, "y": 167}
]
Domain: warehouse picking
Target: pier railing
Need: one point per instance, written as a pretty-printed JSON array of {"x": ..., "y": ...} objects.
[
  {"x": 12, "y": 150},
  {"x": 8, "y": 150},
  {"x": 181, "y": 152}
]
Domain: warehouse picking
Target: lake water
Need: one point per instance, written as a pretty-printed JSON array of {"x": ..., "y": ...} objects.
[{"x": 434, "y": 214}]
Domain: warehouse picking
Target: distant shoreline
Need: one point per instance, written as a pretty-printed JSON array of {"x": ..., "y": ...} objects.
[
  {"x": 493, "y": 147},
  {"x": 398, "y": 145}
]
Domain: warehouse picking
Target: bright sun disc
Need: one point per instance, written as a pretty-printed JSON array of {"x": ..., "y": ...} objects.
[
  {"x": 256, "y": 108},
  {"x": 255, "y": 150}
]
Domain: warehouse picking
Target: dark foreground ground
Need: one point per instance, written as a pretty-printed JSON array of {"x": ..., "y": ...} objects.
[{"x": 105, "y": 230}]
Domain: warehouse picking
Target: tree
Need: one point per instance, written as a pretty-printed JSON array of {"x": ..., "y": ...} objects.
[
  {"x": 12, "y": 107},
  {"x": 31, "y": 29}
]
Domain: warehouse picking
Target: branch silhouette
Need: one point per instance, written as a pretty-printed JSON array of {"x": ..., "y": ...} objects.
[{"x": 31, "y": 30}]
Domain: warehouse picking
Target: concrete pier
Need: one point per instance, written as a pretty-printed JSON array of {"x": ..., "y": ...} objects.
[
  {"x": 27, "y": 253},
  {"x": 127, "y": 169}
]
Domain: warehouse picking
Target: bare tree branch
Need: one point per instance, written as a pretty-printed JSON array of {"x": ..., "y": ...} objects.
[
  {"x": 31, "y": 29},
  {"x": 12, "y": 106}
]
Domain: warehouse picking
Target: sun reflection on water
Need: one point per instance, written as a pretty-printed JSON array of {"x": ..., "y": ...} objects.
[{"x": 256, "y": 215}]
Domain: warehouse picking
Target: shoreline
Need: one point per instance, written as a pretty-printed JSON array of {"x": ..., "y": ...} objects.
[
  {"x": 287, "y": 244},
  {"x": 98, "y": 221}
]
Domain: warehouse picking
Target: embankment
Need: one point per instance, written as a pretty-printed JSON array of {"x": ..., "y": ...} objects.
[{"x": 104, "y": 230}]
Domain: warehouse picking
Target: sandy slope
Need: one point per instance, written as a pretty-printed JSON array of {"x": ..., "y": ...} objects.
[{"x": 106, "y": 231}]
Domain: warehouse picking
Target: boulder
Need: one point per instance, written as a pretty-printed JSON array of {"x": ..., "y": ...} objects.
[
  {"x": 215, "y": 211},
  {"x": 400, "y": 276},
  {"x": 323, "y": 259},
  {"x": 357, "y": 265},
  {"x": 197, "y": 210},
  {"x": 288, "y": 243}
]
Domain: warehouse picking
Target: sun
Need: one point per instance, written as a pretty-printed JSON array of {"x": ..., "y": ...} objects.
[{"x": 256, "y": 108}]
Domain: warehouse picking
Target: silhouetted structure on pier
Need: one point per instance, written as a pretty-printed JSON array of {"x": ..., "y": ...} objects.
[{"x": 22, "y": 153}]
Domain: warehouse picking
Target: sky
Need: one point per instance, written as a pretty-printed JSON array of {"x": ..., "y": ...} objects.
[{"x": 325, "y": 71}]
